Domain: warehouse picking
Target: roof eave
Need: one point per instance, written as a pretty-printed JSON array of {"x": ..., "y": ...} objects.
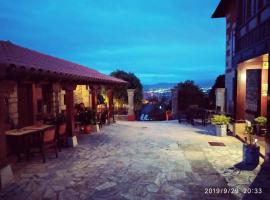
[{"x": 220, "y": 11}]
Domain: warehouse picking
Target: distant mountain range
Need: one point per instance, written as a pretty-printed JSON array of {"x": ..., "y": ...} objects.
[{"x": 203, "y": 84}]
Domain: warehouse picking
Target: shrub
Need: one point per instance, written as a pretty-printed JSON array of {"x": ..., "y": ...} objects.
[
  {"x": 220, "y": 120},
  {"x": 261, "y": 121}
]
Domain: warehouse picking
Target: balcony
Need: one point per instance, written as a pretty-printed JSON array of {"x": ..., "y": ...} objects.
[{"x": 254, "y": 37}]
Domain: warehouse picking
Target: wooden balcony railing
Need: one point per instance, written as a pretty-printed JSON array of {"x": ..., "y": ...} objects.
[{"x": 259, "y": 34}]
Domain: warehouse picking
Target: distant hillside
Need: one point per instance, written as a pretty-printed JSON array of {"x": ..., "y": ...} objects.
[
  {"x": 204, "y": 84},
  {"x": 158, "y": 85}
]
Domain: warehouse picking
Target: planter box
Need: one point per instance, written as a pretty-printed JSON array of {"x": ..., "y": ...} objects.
[
  {"x": 251, "y": 155},
  {"x": 221, "y": 130}
]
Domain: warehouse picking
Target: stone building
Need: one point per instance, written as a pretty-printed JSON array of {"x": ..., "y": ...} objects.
[
  {"x": 247, "y": 59},
  {"x": 247, "y": 56},
  {"x": 34, "y": 84}
]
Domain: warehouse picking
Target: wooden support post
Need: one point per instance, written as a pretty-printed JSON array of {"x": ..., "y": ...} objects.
[
  {"x": 69, "y": 101},
  {"x": 34, "y": 104},
  {"x": 6, "y": 174},
  {"x": 94, "y": 97},
  {"x": 267, "y": 137},
  {"x": 3, "y": 160},
  {"x": 55, "y": 98},
  {"x": 110, "y": 103}
]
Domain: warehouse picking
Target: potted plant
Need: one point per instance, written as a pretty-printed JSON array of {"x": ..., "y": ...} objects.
[
  {"x": 260, "y": 123},
  {"x": 221, "y": 122},
  {"x": 251, "y": 151}
]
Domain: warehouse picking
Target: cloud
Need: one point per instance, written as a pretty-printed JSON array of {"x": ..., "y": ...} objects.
[{"x": 170, "y": 39}]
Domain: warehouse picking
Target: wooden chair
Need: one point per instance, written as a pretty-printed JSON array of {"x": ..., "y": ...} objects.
[
  {"x": 48, "y": 140},
  {"x": 98, "y": 120},
  {"x": 61, "y": 136}
]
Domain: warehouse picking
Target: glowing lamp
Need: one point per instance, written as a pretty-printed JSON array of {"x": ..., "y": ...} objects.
[
  {"x": 265, "y": 65},
  {"x": 243, "y": 77},
  {"x": 255, "y": 141}
]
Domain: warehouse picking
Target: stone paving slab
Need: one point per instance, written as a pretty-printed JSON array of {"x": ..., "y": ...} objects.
[{"x": 140, "y": 160}]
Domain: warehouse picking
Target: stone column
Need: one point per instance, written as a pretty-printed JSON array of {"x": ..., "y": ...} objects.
[
  {"x": 131, "y": 114},
  {"x": 220, "y": 99},
  {"x": 6, "y": 174},
  {"x": 72, "y": 139}
]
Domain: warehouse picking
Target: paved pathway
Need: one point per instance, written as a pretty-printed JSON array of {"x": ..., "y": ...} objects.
[{"x": 140, "y": 160}]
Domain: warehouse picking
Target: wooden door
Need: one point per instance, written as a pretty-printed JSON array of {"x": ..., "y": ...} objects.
[
  {"x": 25, "y": 104},
  {"x": 253, "y": 93}
]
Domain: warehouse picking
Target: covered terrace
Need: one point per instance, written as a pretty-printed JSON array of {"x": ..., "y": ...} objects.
[{"x": 33, "y": 85}]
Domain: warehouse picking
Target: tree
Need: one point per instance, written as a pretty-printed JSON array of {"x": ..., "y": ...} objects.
[
  {"x": 134, "y": 82},
  {"x": 219, "y": 83},
  {"x": 190, "y": 94}
]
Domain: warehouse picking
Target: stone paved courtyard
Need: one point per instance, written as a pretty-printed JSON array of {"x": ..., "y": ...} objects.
[{"x": 139, "y": 160}]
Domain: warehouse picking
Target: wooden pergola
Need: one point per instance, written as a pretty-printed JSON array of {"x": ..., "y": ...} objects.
[{"x": 29, "y": 79}]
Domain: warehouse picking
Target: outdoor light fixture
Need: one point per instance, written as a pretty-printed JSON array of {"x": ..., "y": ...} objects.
[
  {"x": 255, "y": 141},
  {"x": 243, "y": 76},
  {"x": 265, "y": 65}
]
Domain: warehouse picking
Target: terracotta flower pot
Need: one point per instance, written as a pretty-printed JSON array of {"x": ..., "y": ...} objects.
[{"x": 87, "y": 129}]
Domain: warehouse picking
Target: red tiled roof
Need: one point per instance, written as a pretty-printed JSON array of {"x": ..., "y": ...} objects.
[{"x": 11, "y": 54}]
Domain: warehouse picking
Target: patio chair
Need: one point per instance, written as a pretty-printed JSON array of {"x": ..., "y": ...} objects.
[
  {"x": 61, "y": 136},
  {"x": 48, "y": 140},
  {"x": 182, "y": 117},
  {"x": 98, "y": 120}
]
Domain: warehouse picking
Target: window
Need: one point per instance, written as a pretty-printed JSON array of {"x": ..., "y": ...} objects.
[
  {"x": 241, "y": 16},
  {"x": 248, "y": 9}
]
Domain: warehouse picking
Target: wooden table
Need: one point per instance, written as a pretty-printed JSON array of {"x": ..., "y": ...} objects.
[
  {"x": 23, "y": 138},
  {"x": 20, "y": 132},
  {"x": 42, "y": 127}
]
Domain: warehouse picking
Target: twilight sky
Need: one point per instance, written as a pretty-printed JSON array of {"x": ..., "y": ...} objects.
[{"x": 158, "y": 40}]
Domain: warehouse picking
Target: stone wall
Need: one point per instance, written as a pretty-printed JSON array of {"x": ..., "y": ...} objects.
[
  {"x": 229, "y": 92},
  {"x": 13, "y": 106},
  {"x": 220, "y": 99},
  {"x": 81, "y": 95},
  {"x": 230, "y": 68},
  {"x": 62, "y": 100}
]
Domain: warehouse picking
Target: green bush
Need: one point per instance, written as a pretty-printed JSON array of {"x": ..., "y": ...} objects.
[
  {"x": 220, "y": 120},
  {"x": 261, "y": 121}
]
